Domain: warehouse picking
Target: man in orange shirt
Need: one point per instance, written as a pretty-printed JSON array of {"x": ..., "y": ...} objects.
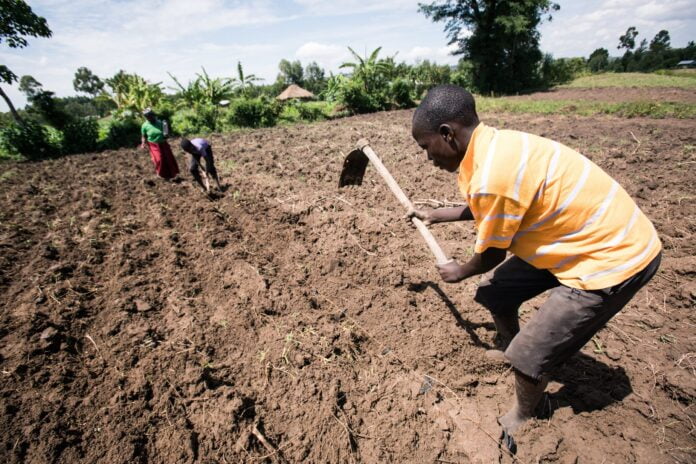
[{"x": 571, "y": 228}]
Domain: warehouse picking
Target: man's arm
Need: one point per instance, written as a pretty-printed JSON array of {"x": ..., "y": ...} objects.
[
  {"x": 433, "y": 216},
  {"x": 480, "y": 263}
]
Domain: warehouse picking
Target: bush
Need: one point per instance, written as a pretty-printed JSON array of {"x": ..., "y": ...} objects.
[
  {"x": 356, "y": 99},
  {"x": 401, "y": 91},
  {"x": 30, "y": 140},
  {"x": 561, "y": 71},
  {"x": 80, "y": 136},
  {"x": 122, "y": 132},
  {"x": 310, "y": 112},
  {"x": 189, "y": 122},
  {"x": 253, "y": 112}
]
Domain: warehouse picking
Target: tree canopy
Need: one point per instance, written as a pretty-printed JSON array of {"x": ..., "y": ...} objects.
[
  {"x": 499, "y": 37},
  {"x": 87, "y": 82},
  {"x": 17, "y": 20}
]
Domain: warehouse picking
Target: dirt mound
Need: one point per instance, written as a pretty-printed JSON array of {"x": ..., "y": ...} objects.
[{"x": 290, "y": 321}]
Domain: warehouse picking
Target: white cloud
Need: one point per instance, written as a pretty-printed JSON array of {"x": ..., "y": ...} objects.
[
  {"x": 348, "y": 7},
  {"x": 578, "y": 29},
  {"x": 442, "y": 55},
  {"x": 326, "y": 55}
]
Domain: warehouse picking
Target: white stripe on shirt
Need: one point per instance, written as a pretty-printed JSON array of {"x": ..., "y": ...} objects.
[
  {"x": 623, "y": 266},
  {"x": 489, "y": 162},
  {"x": 551, "y": 169},
  {"x": 564, "y": 205},
  {"x": 545, "y": 249},
  {"x": 522, "y": 167}
]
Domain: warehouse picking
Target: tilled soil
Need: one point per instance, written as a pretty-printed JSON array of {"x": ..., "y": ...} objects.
[{"x": 290, "y": 321}]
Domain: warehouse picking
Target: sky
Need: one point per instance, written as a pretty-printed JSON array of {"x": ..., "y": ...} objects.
[{"x": 156, "y": 37}]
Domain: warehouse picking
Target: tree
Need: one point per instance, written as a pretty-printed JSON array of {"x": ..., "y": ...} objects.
[
  {"x": 628, "y": 40},
  {"x": 660, "y": 42},
  {"x": 291, "y": 72},
  {"x": 43, "y": 102},
  {"x": 315, "y": 78},
  {"x": 598, "y": 60},
  {"x": 87, "y": 82},
  {"x": 17, "y": 20},
  {"x": 29, "y": 86},
  {"x": 503, "y": 45}
]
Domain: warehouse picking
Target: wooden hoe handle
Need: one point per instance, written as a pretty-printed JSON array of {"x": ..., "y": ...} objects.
[{"x": 440, "y": 256}]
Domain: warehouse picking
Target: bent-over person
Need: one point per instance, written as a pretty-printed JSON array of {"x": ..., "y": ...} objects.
[{"x": 200, "y": 149}]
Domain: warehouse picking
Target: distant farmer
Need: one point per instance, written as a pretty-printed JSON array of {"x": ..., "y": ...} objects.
[
  {"x": 154, "y": 133},
  {"x": 571, "y": 228},
  {"x": 200, "y": 148}
]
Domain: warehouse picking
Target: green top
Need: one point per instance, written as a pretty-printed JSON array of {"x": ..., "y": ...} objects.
[{"x": 153, "y": 132}]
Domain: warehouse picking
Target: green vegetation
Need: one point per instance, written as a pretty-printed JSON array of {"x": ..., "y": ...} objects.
[
  {"x": 684, "y": 79},
  {"x": 500, "y": 56},
  {"x": 503, "y": 44},
  {"x": 587, "y": 108}
]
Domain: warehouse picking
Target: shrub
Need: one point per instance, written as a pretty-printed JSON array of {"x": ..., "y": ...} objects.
[
  {"x": 310, "y": 112},
  {"x": 189, "y": 122},
  {"x": 30, "y": 140},
  {"x": 356, "y": 99},
  {"x": 401, "y": 91},
  {"x": 80, "y": 136},
  {"x": 561, "y": 71},
  {"x": 254, "y": 112},
  {"x": 122, "y": 132}
]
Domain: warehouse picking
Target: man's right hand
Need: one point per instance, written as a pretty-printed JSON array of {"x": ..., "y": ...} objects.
[{"x": 425, "y": 215}]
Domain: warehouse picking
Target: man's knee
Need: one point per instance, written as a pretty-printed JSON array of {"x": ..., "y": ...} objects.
[
  {"x": 492, "y": 298},
  {"x": 485, "y": 294}
]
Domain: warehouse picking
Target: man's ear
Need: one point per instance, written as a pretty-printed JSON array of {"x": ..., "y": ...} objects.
[{"x": 446, "y": 132}]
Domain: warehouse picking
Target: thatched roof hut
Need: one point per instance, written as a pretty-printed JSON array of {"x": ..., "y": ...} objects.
[{"x": 294, "y": 91}]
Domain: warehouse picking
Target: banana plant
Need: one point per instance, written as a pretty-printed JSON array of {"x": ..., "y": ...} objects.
[
  {"x": 244, "y": 81},
  {"x": 132, "y": 92},
  {"x": 369, "y": 69}
]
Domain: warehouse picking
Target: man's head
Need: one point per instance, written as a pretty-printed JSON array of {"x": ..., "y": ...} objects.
[
  {"x": 187, "y": 146},
  {"x": 443, "y": 124},
  {"x": 149, "y": 114}
]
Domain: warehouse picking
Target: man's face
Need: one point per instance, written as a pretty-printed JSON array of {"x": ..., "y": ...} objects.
[{"x": 442, "y": 153}]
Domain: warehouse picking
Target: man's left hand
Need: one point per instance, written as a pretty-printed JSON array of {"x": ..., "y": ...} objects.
[{"x": 451, "y": 272}]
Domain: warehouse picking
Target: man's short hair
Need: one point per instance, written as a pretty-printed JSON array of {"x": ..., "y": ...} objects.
[
  {"x": 185, "y": 143},
  {"x": 445, "y": 103}
]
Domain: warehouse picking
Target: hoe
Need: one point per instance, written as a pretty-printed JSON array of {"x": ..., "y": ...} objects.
[{"x": 352, "y": 174}]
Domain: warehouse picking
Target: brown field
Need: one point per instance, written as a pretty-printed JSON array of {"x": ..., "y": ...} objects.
[{"x": 290, "y": 321}]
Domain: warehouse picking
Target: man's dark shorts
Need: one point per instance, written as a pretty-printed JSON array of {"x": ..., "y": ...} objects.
[{"x": 564, "y": 323}]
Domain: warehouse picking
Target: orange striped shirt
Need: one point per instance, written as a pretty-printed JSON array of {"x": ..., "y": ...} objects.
[{"x": 553, "y": 208}]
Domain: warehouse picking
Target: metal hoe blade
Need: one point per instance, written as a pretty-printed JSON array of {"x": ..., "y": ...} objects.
[{"x": 353, "y": 168}]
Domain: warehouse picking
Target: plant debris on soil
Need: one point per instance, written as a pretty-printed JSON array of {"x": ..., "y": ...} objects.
[{"x": 286, "y": 320}]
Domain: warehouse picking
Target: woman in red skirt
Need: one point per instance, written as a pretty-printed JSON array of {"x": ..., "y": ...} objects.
[{"x": 154, "y": 132}]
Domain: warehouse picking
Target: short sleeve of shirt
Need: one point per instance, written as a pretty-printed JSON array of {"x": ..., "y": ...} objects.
[{"x": 497, "y": 220}]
